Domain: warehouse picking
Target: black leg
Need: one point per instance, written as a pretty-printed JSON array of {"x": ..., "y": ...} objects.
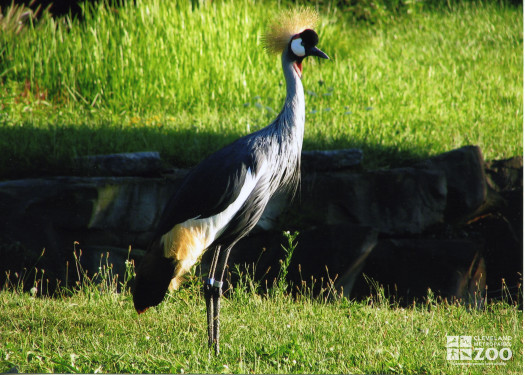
[
  {"x": 209, "y": 293},
  {"x": 210, "y": 312},
  {"x": 216, "y": 298},
  {"x": 212, "y": 294},
  {"x": 224, "y": 262},
  {"x": 217, "y": 293}
]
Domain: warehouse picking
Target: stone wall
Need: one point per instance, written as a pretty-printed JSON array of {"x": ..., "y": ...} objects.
[{"x": 452, "y": 223}]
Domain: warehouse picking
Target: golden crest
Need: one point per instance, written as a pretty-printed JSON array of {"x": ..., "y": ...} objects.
[{"x": 287, "y": 24}]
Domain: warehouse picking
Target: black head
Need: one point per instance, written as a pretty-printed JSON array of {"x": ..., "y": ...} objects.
[
  {"x": 154, "y": 274},
  {"x": 304, "y": 44}
]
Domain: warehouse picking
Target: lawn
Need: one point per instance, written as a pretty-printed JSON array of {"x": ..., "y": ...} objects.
[
  {"x": 155, "y": 75},
  {"x": 96, "y": 329}
]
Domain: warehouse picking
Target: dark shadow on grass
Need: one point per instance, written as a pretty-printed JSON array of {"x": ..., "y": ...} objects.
[
  {"x": 31, "y": 151},
  {"x": 34, "y": 151}
]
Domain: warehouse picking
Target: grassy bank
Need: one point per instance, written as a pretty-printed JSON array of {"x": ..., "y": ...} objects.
[
  {"x": 163, "y": 76},
  {"x": 96, "y": 330}
]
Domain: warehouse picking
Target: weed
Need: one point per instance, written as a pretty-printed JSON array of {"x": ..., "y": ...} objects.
[{"x": 281, "y": 283}]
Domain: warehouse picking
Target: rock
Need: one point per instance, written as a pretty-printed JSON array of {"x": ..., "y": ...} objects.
[
  {"x": 465, "y": 178},
  {"x": 125, "y": 204},
  {"x": 54, "y": 213},
  {"x": 331, "y": 160},
  {"x": 512, "y": 211},
  {"x": 505, "y": 192},
  {"x": 505, "y": 175},
  {"x": 407, "y": 268},
  {"x": 402, "y": 200},
  {"x": 124, "y": 164},
  {"x": 440, "y": 212}
]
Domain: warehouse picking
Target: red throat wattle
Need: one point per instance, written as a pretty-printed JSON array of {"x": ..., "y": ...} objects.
[{"x": 298, "y": 68}]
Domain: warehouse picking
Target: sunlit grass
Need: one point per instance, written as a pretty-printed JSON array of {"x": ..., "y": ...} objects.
[
  {"x": 163, "y": 76},
  {"x": 93, "y": 327}
]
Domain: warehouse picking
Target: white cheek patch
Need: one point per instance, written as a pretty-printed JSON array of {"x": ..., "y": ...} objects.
[{"x": 298, "y": 48}]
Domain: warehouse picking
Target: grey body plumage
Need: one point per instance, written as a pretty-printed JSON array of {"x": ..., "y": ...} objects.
[
  {"x": 215, "y": 182},
  {"x": 223, "y": 197}
]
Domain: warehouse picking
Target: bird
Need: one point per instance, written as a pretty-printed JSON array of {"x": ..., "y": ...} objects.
[{"x": 221, "y": 199}]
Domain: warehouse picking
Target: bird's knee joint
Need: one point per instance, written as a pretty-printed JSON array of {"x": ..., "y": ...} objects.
[{"x": 211, "y": 283}]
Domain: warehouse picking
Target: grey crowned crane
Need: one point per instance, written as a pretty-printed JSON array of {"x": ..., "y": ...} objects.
[{"x": 223, "y": 197}]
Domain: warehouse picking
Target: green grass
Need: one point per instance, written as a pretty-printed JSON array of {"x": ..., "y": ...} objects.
[
  {"x": 96, "y": 329},
  {"x": 163, "y": 76}
]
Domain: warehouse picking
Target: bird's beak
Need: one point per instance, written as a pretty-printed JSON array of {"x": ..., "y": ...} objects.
[
  {"x": 140, "y": 311},
  {"x": 314, "y": 51}
]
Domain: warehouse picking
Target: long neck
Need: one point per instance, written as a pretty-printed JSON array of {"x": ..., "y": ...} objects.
[
  {"x": 294, "y": 105},
  {"x": 288, "y": 131}
]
